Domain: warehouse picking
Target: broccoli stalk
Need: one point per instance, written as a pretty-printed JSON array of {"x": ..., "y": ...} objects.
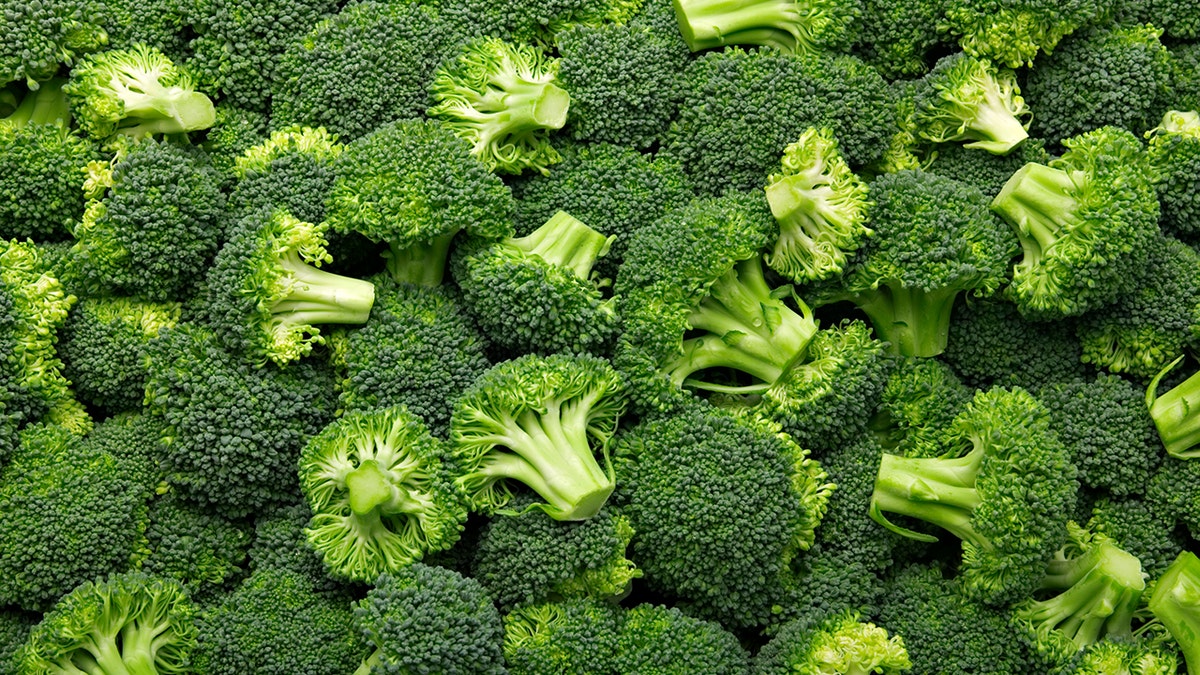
[
  {"x": 1176, "y": 603},
  {"x": 47, "y": 105},
  {"x": 1038, "y": 201},
  {"x": 968, "y": 99},
  {"x": 915, "y": 321},
  {"x": 1174, "y": 414},
  {"x": 565, "y": 241},
  {"x": 787, "y": 25},
  {"x": 940, "y": 491}
]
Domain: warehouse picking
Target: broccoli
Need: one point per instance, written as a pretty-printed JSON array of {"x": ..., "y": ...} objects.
[
  {"x": 234, "y": 131},
  {"x": 1173, "y": 602},
  {"x": 136, "y": 92},
  {"x": 1173, "y": 494},
  {"x": 1012, "y": 32},
  {"x": 898, "y": 37},
  {"x": 127, "y": 623},
  {"x": 917, "y": 409},
  {"x": 41, "y": 162},
  {"x": 502, "y": 98},
  {"x": 830, "y": 581},
  {"x": 1172, "y": 412},
  {"x": 266, "y": 293},
  {"x": 536, "y": 22},
  {"x": 1086, "y": 222},
  {"x": 1185, "y": 66},
  {"x": 1005, "y": 489},
  {"x": 579, "y": 635},
  {"x": 161, "y": 24},
  {"x": 15, "y": 626},
  {"x": 821, "y": 208},
  {"x": 841, "y": 643},
  {"x": 1137, "y": 526},
  {"x": 135, "y": 440},
  {"x": 1175, "y": 153},
  {"x": 537, "y": 293},
  {"x": 379, "y": 495},
  {"x": 658, "y": 640},
  {"x": 419, "y": 348},
  {"x": 532, "y": 558},
  {"x": 934, "y": 241},
  {"x": 280, "y": 544},
  {"x": 538, "y": 421},
  {"x": 968, "y": 99},
  {"x": 203, "y": 551},
  {"x": 788, "y": 25},
  {"x": 1137, "y": 657},
  {"x": 984, "y": 170},
  {"x": 38, "y": 37},
  {"x": 414, "y": 185},
  {"x": 721, "y": 508},
  {"x": 292, "y": 170},
  {"x": 431, "y": 620}
]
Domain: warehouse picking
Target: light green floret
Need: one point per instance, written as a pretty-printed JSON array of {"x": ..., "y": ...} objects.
[
  {"x": 503, "y": 99},
  {"x": 136, "y": 92},
  {"x": 317, "y": 143},
  {"x": 1128, "y": 657},
  {"x": 821, "y": 208},
  {"x": 842, "y": 644},
  {"x": 379, "y": 495},
  {"x": 798, "y": 27},
  {"x": 968, "y": 99},
  {"x": 539, "y": 421}
]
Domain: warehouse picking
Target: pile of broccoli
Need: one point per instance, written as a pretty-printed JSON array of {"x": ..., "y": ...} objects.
[{"x": 599, "y": 337}]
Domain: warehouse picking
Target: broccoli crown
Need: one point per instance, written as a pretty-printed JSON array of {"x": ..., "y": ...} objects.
[
  {"x": 1118, "y": 76},
  {"x": 531, "y": 558},
  {"x": 898, "y": 36},
  {"x": 577, "y": 635},
  {"x": 984, "y": 170},
  {"x": 1012, "y": 32},
  {"x": 1174, "y": 492},
  {"x": 280, "y": 543},
  {"x": 419, "y": 348},
  {"x": 1173, "y": 602},
  {"x": 502, "y": 98},
  {"x": 161, "y": 24},
  {"x": 102, "y": 344},
  {"x": 234, "y": 431},
  {"x": 792, "y": 27},
  {"x": 275, "y": 624},
  {"x": 968, "y": 99},
  {"x": 698, "y": 271},
  {"x": 203, "y": 551},
  {"x": 917, "y": 409},
  {"x": 1137, "y": 657},
  {"x": 262, "y": 32},
  {"x": 740, "y": 109},
  {"x": 14, "y": 631},
  {"x": 433, "y": 620},
  {"x": 538, "y": 421},
  {"x": 1105, "y": 426},
  {"x": 135, "y": 440},
  {"x": 654, "y": 640},
  {"x": 1086, "y": 223},
  {"x": 615, "y": 190},
  {"x": 538, "y": 22},
  {"x": 842, "y": 643},
  {"x": 625, "y": 82},
  {"x": 291, "y": 170},
  {"x": 379, "y": 494},
  {"x": 1179, "y": 21},
  {"x": 132, "y": 622},
  {"x": 830, "y": 581},
  {"x": 1136, "y": 525},
  {"x": 934, "y": 240},
  {"x": 414, "y": 185},
  {"x": 40, "y": 36},
  {"x": 536, "y": 293},
  {"x": 720, "y": 508},
  {"x": 235, "y": 131},
  {"x": 1175, "y": 154},
  {"x": 1185, "y": 62},
  {"x": 136, "y": 92},
  {"x": 156, "y": 228},
  {"x": 1005, "y": 489},
  {"x": 820, "y": 206},
  {"x": 365, "y": 66},
  {"x": 55, "y": 483},
  {"x": 266, "y": 293},
  {"x": 41, "y": 162}
]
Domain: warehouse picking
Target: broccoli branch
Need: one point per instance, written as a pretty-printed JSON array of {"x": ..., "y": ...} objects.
[
  {"x": 566, "y": 242},
  {"x": 940, "y": 491},
  {"x": 1174, "y": 414}
]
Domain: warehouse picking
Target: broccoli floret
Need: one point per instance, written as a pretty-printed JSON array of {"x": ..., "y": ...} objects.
[
  {"x": 1174, "y": 493},
  {"x": 1173, "y": 602},
  {"x": 275, "y": 624},
  {"x": 829, "y": 581},
  {"x": 579, "y": 635},
  {"x": 102, "y": 344},
  {"x": 532, "y": 559},
  {"x": 291, "y": 170},
  {"x": 821, "y": 208},
  {"x": 720, "y": 508},
  {"x": 126, "y": 623},
  {"x": 1137, "y": 657},
  {"x": 1005, "y": 489},
  {"x": 984, "y": 170},
  {"x": 934, "y": 241},
  {"x": 615, "y": 190},
  {"x": 740, "y": 109},
  {"x": 235, "y": 131},
  {"x": 280, "y": 544},
  {"x": 414, "y": 185},
  {"x": 380, "y": 496},
  {"x": 15, "y": 626},
  {"x": 537, "y": 293},
  {"x": 1118, "y": 76},
  {"x": 161, "y": 24},
  {"x": 917, "y": 409},
  {"x": 538, "y": 421},
  {"x": 136, "y": 441},
  {"x": 1012, "y": 32},
  {"x": 898, "y": 36},
  {"x": 788, "y": 25},
  {"x": 968, "y": 99},
  {"x": 1175, "y": 154},
  {"x": 695, "y": 299},
  {"x": 267, "y": 295},
  {"x": 1185, "y": 64},
  {"x": 655, "y": 640},
  {"x": 424, "y": 619},
  {"x": 1137, "y": 526},
  {"x": 156, "y": 227},
  {"x": 537, "y": 22},
  {"x": 234, "y": 432},
  {"x": 203, "y": 551},
  {"x": 136, "y": 92},
  {"x": 1086, "y": 223},
  {"x": 419, "y": 349},
  {"x": 41, "y": 167},
  {"x": 1179, "y": 20},
  {"x": 40, "y": 36},
  {"x": 55, "y": 483},
  {"x": 842, "y": 643}
]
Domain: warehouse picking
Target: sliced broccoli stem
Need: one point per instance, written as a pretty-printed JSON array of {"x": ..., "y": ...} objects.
[
  {"x": 913, "y": 321},
  {"x": 1174, "y": 414},
  {"x": 1176, "y": 603},
  {"x": 517, "y": 105},
  {"x": 707, "y": 24},
  {"x": 422, "y": 263},
  {"x": 319, "y": 297},
  {"x": 749, "y": 329},
  {"x": 47, "y": 105},
  {"x": 141, "y": 640},
  {"x": 1038, "y": 202},
  {"x": 566, "y": 242},
  {"x": 994, "y": 125},
  {"x": 940, "y": 491},
  {"x": 369, "y": 664},
  {"x": 811, "y": 231},
  {"x": 371, "y": 491}
]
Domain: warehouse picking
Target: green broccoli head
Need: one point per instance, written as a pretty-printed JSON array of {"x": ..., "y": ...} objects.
[
  {"x": 899, "y": 35},
  {"x": 1175, "y": 154},
  {"x": 292, "y": 170},
  {"x": 539, "y": 421},
  {"x": 203, "y": 551},
  {"x": 1138, "y": 526},
  {"x": 787, "y": 25},
  {"x": 379, "y": 494},
  {"x": 917, "y": 408},
  {"x": 984, "y": 170},
  {"x": 574, "y": 635},
  {"x": 842, "y": 643},
  {"x": 40, "y": 36},
  {"x": 655, "y": 639},
  {"x": 968, "y": 99},
  {"x": 1012, "y": 32}
]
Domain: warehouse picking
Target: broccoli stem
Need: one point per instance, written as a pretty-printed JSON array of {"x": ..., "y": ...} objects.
[
  {"x": 47, "y": 105},
  {"x": 707, "y": 24},
  {"x": 566, "y": 242},
  {"x": 516, "y": 105},
  {"x": 422, "y": 263},
  {"x": 158, "y": 109},
  {"x": 913, "y": 321},
  {"x": 318, "y": 297},
  {"x": 750, "y": 329},
  {"x": 368, "y": 664},
  {"x": 994, "y": 125},
  {"x": 1038, "y": 202},
  {"x": 1174, "y": 414},
  {"x": 1176, "y": 603},
  {"x": 140, "y": 641},
  {"x": 811, "y": 231},
  {"x": 940, "y": 491}
]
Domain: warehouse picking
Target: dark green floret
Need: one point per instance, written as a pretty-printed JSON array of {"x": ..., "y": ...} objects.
[
  {"x": 1174, "y": 413},
  {"x": 657, "y": 640},
  {"x": 1175, "y": 154},
  {"x": 984, "y": 170},
  {"x": 536, "y": 22},
  {"x": 573, "y": 636},
  {"x": 899, "y": 36},
  {"x": 1138, "y": 526},
  {"x": 290, "y": 170},
  {"x": 788, "y": 25},
  {"x": 235, "y": 131},
  {"x": 280, "y": 544},
  {"x": 968, "y": 99},
  {"x": 203, "y": 551},
  {"x": 14, "y": 631},
  {"x": 1013, "y": 32},
  {"x": 844, "y": 643},
  {"x": 36, "y": 38},
  {"x": 917, "y": 408},
  {"x": 1174, "y": 602}
]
